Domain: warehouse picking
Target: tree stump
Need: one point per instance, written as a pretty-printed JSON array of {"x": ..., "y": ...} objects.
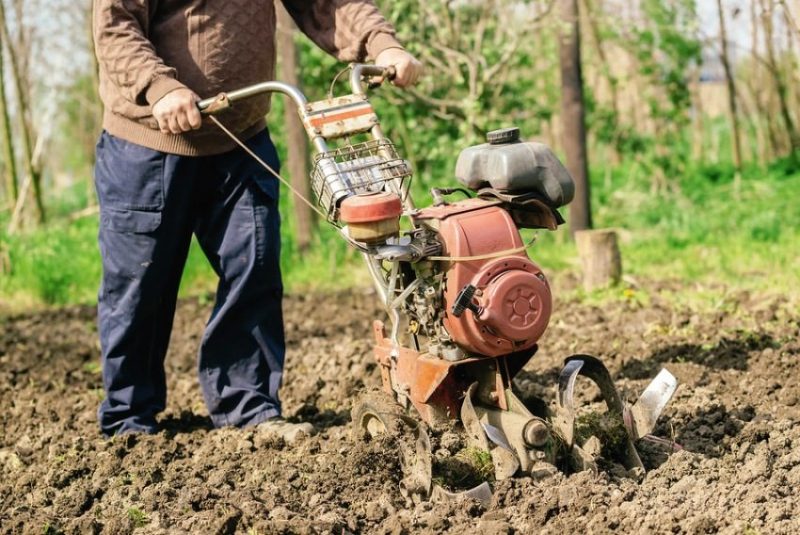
[{"x": 600, "y": 258}]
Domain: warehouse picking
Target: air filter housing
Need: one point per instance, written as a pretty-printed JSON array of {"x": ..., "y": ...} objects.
[{"x": 372, "y": 217}]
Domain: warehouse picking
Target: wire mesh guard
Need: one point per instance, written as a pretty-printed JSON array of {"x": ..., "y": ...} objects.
[{"x": 370, "y": 166}]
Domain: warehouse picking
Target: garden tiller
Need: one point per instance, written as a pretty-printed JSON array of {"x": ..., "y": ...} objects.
[{"x": 466, "y": 304}]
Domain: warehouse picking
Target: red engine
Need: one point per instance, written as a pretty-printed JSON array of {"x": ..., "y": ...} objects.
[{"x": 496, "y": 303}]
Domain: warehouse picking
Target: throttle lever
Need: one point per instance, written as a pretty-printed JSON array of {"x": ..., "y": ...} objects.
[{"x": 389, "y": 73}]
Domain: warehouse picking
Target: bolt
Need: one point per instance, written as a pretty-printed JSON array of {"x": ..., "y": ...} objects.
[
  {"x": 540, "y": 276},
  {"x": 536, "y": 433}
]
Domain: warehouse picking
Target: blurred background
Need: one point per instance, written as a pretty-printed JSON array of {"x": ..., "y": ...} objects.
[{"x": 689, "y": 108}]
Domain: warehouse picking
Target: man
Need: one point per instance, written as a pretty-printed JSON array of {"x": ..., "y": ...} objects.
[{"x": 162, "y": 174}]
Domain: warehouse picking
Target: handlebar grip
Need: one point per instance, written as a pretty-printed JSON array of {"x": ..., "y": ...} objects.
[
  {"x": 203, "y": 105},
  {"x": 382, "y": 73},
  {"x": 377, "y": 70},
  {"x": 369, "y": 70},
  {"x": 212, "y": 105}
]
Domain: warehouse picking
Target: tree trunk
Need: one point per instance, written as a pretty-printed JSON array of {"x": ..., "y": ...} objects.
[
  {"x": 780, "y": 83},
  {"x": 297, "y": 142},
  {"x": 24, "y": 117},
  {"x": 764, "y": 141},
  {"x": 600, "y": 258},
  {"x": 573, "y": 115},
  {"x": 732, "y": 110},
  {"x": 12, "y": 181}
]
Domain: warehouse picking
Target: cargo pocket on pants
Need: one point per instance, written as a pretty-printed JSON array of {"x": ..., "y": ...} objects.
[
  {"x": 128, "y": 177},
  {"x": 130, "y": 221}
]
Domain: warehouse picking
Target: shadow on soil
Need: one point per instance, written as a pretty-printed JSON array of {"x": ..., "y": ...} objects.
[
  {"x": 708, "y": 431},
  {"x": 185, "y": 423},
  {"x": 730, "y": 353},
  {"x": 323, "y": 419}
]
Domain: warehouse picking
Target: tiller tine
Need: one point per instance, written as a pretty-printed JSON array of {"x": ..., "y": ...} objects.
[
  {"x": 488, "y": 437},
  {"x": 637, "y": 420},
  {"x": 651, "y": 403},
  {"x": 417, "y": 462},
  {"x": 482, "y": 493}
]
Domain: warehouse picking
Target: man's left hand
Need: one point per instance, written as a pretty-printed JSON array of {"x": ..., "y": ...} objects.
[{"x": 408, "y": 68}]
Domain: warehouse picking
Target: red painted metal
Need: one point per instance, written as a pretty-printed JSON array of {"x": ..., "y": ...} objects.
[
  {"x": 371, "y": 207},
  {"x": 436, "y": 387},
  {"x": 513, "y": 293}
]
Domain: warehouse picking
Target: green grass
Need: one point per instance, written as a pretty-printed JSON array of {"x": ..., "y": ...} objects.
[
  {"x": 706, "y": 228},
  {"x": 60, "y": 264},
  {"x": 137, "y": 517}
]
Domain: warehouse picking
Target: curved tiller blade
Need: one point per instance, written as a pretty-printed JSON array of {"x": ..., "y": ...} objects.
[
  {"x": 489, "y": 438},
  {"x": 416, "y": 459},
  {"x": 482, "y": 493},
  {"x": 593, "y": 369},
  {"x": 651, "y": 403},
  {"x": 564, "y": 420}
]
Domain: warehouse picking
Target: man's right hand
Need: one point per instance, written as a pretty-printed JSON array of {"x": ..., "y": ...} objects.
[{"x": 176, "y": 112}]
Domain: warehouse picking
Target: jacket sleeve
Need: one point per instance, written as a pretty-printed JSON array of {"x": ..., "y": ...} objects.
[
  {"x": 350, "y": 30},
  {"x": 124, "y": 52}
]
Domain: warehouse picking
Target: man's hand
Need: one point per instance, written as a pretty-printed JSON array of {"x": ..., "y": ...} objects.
[
  {"x": 408, "y": 68},
  {"x": 176, "y": 112}
]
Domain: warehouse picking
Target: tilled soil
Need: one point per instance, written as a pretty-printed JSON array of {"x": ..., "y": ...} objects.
[{"x": 735, "y": 415}]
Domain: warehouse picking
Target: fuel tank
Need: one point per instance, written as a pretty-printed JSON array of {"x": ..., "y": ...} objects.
[{"x": 507, "y": 164}]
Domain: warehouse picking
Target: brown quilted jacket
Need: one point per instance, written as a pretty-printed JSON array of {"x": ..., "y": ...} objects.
[{"x": 147, "y": 48}]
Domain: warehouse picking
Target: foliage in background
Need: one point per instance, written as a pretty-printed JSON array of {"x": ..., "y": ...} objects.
[{"x": 661, "y": 165}]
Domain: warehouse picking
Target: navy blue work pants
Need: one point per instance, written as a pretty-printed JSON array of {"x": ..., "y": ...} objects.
[{"x": 150, "y": 205}]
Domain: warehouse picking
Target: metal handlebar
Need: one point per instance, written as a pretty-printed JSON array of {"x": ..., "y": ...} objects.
[
  {"x": 207, "y": 105},
  {"x": 358, "y": 72}
]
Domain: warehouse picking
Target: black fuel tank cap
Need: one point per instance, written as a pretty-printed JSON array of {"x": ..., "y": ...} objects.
[{"x": 504, "y": 135}]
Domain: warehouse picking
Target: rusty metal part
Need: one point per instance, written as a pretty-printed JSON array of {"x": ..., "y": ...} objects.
[
  {"x": 436, "y": 387},
  {"x": 219, "y": 103},
  {"x": 506, "y": 462},
  {"x": 470, "y": 421},
  {"x": 358, "y": 71},
  {"x": 486, "y": 437},
  {"x": 339, "y": 117},
  {"x": 448, "y": 210}
]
